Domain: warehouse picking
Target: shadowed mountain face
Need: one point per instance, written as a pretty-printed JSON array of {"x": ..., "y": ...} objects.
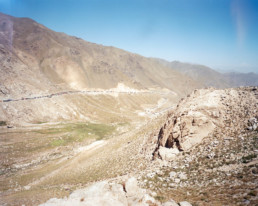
[{"x": 47, "y": 60}]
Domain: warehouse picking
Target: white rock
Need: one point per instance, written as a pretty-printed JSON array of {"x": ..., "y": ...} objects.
[
  {"x": 150, "y": 175},
  {"x": 170, "y": 203},
  {"x": 148, "y": 199},
  {"x": 171, "y": 185},
  {"x": 168, "y": 154},
  {"x": 154, "y": 194},
  {"x": 172, "y": 174},
  {"x": 135, "y": 195},
  {"x": 99, "y": 194},
  {"x": 131, "y": 187},
  {"x": 184, "y": 203},
  {"x": 182, "y": 176},
  {"x": 27, "y": 187}
]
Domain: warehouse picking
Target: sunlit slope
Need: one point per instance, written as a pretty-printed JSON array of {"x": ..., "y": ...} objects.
[
  {"x": 36, "y": 61},
  {"x": 81, "y": 107},
  {"x": 71, "y": 62}
]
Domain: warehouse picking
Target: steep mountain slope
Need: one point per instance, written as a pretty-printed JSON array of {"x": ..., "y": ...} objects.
[
  {"x": 86, "y": 128},
  {"x": 38, "y": 62},
  {"x": 200, "y": 73},
  {"x": 208, "y": 146},
  {"x": 71, "y": 62},
  {"x": 209, "y": 77}
]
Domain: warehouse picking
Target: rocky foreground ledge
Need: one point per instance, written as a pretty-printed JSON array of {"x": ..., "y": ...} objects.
[
  {"x": 207, "y": 112},
  {"x": 205, "y": 152},
  {"x": 112, "y": 194}
]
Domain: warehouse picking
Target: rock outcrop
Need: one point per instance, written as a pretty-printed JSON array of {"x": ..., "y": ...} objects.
[
  {"x": 253, "y": 124},
  {"x": 204, "y": 112},
  {"x": 106, "y": 194},
  {"x": 110, "y": 194}
]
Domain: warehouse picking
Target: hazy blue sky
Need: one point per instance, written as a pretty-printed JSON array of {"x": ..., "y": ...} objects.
[{"x": 222, "y": 34}]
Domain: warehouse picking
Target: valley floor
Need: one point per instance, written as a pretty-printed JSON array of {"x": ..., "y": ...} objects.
[{"x": 44, "y": 160}]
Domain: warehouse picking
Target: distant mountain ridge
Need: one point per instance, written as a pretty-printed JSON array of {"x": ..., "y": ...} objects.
[
  {"x": 209, "y": 77},
  {"x": 35, "y": 59},
  {"x": 236, "y": 79},
  {"x": 46, "y": 60}
]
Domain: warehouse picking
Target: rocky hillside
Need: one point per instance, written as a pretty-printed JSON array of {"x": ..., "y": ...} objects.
[
  {"x": 203, "y": 74},
  {"x": 203, "y": 152},
  {"x": 208, "y": 149},
  {"x": 203, "y": 111},
  {"x": 37, "y": 64},
  {"x": 94, "y": 116},
  {"x": 34, "y": 58},
  {"x": 211, "y": 78},
  {"x": 112, "y": 194}
]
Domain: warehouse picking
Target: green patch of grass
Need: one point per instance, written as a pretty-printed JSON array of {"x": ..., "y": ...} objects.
[
  {"x": 100, "y": 130},
  {"x": 81, "y": 129},
  {"x": 77, "y": 132},
  {"x": 195, "y": 204},
  {"x": 3, "y": 123},
  {"x": 58, "y": 142},
  {"x": 123, "y": 124},
  {"x": 160, "y": 198}
]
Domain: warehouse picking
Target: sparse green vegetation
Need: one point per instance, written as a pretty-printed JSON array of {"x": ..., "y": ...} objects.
[
  {"x": 57, "y": 142},
  {"x": 160, "y": 198},
  {"x": 248, "y": 158},
  {"x": 77, "y": 132},
  {"x": 252, "y": 193},
  {"x": 3, "y": 123}
]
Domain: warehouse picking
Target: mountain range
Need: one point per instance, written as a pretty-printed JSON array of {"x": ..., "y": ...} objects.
[
  {"x": 73, "y": 113},
  {"x": 35, "y": 58}
]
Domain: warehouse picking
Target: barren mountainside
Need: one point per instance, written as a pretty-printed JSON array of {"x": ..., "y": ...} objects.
[
  {"x": 38, "y": 64},
  {"x": 205, "y": 75},
  {"x": 86, "y": 124},
  {"x": 211, "y": 78},
  {"x": 39, "y": 58}
]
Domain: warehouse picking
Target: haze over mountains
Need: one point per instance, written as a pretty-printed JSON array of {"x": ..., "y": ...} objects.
[
  {"x": 36, "y": 61},
  {"x": 210, "y": 77},
  {"x": 58, "y": 59},
  {"x": 74, "y": 112},
  {"x": 42, "y": 58}
]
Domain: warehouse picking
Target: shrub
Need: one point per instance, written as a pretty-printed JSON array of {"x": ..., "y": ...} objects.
[
  {"x": 2, "y": 123},
  {"x": 248, "y": 158}
]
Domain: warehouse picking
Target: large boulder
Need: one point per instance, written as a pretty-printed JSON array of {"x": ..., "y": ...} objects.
[
  {"x": 99, "y": 194},
  {"x": 107, "y": 194},
  {"x": 184, "y": 203},
  {"x": 170, "y": 203},
  {"x": 168, "y": 154},
  {"x": 205, "y": 113},
  {"x": 135, "y": 195}
]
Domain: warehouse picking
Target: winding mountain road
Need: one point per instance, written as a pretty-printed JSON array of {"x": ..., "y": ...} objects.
[{"x": 88, "y": 92}]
